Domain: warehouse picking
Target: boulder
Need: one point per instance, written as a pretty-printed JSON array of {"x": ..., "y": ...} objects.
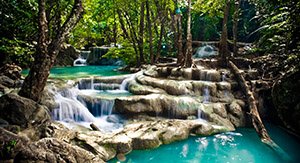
[
  {"x": 66, "y": 56},
  {"x": 12, "y": 71},
  {"x": 286, "y": 99},
  {"x": 21, "y": 111},
  {"x": 157, "y": 104},
  {"x": 7, "y": 82},
  {"x": 139, "y": 89},
  {"x": 54, "y": 150}
]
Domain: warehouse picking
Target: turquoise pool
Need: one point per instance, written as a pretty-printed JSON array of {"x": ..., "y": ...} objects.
[
  {"x": 241, "y": 146},
  {"x": 81, "y": 71}
]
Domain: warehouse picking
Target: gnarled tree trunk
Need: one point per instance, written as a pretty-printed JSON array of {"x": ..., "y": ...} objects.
[
  {"x": 47, "y": 50},
  {"x": 256, "y": 120}
]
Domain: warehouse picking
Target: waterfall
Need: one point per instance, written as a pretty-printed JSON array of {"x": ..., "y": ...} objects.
[
  {"x": 205, "y": 51},
  {"x": 126, "y": 81},
  {"x": 79, "y": 62},
  {"x": 70, "y": 109},
  {"x": 206, "y": 95},
  {"x": 199, "y": 112},
  {"x": 102, "y": 107}
]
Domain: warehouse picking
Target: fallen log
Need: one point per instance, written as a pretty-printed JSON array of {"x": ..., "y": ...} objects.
[{"x": 256, "y": 120}]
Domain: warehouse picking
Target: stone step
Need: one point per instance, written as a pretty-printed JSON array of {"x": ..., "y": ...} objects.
[
  {"x": 175, "y": 87},
  {"x": 180, "y": 107}
]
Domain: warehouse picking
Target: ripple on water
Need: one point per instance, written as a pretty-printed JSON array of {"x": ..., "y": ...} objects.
[{"x": 232, "y": 147}]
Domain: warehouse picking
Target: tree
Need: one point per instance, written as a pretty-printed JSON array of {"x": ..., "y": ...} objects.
[
  {"x": 224, "y": 51},
  {"x": 141, "y": 35},
  {"x": 189, "y": 49},
  {"x": 235, "y": 25},
  {"x": 149, "y": 32},
  {"x": 48, "y": 47}
]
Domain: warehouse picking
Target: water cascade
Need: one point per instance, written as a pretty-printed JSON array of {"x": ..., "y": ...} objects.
[
  {"x": 205, "y": 51},
  {"x": 199, "y": 112},
  {"x": 102, "y": 107},
  {"x": 206, "y": 95},
  {"x": 125, "y": 82},
  {"x": 70, "y": 109},
  {"x": 79, "y": 62}
]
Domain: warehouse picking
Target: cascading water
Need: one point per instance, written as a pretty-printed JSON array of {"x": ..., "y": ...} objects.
[
  {"x": 125, "y": 82},
  {"x": 79, "y": 62},
  {"x": 206, "y": 95},
  {"x": 82, "y": 59},
  {"x": 70, "y": 109},
  {"x": 224, "y": 74},
  {"x": 205, "y": 51},
  {"x": 102, "y": 107},
  {"x": 199, "y": 112}
]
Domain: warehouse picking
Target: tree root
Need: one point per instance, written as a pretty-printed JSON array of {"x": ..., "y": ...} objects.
[{"x": 254, "y": 114}]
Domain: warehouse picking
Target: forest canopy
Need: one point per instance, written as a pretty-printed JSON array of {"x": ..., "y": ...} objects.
[{"x": 148, "y": 28}]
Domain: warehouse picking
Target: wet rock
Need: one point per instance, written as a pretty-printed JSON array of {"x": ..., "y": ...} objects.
[
  {"x": 286, "y": 99},
  {"x": 220, "y": 110},
  {"x": 235, "y": 109},
  {"x": 172, "y": 87},
  {"x": 66, "y": 56},
  {"x": 59, "y": 131},
  {"x": 7, "y": 82},
  {"x": 157, "y": 104},
  {"x": 151, "y": 71},
  {"x": 187, "y": 73},
  {"x": 221, "y": 121},
  {"x": 175, "y": 131},
  {"x": 139, "y": 89},
  {"x": 199, "y": 86},
  {"x": 54, "y": 150},
  {"x": 47, "y": 98},
  {"x": 203, "y": 129},
  {"x": 22, "y": 111},
  {"x": 121, "y": 143},
  {"x": 94, "y": 141},
  {"x": 12, "y": 71}
]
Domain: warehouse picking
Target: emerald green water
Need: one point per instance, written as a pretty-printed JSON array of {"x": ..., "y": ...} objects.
[
  {"x": 81, "y": 71},
  {"x": 241, "y": 146}
]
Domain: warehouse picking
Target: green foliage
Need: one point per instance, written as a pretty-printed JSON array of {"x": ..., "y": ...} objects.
[
  {"x": 17, "y": 51},
  {"x": 280, "y": 26},
  {"x": 125, "y": 53},
  {"x": 7, "y": 148}
]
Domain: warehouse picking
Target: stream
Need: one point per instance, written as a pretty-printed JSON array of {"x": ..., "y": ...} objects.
[{"x": 242, "y": 145}]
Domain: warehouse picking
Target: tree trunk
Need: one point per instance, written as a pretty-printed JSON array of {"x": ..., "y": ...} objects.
[
  {"x": 224, "y": 36},
  {"x": 141, "y": 35},
  {"x": 133, "y": 36},
  {"x": 189, "y": 49},
  {"x": 256, "y": 120},
  {"x": 159, "y": 44},
  {"x": 180, "y": 57},
  {"x": 47, "y": 50},
  {"x": 235, "y": 25},
  {"x": 125, "y": 33},
  {"x": 115, "y": 24},
  {"x": 150, "y": 33}
]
